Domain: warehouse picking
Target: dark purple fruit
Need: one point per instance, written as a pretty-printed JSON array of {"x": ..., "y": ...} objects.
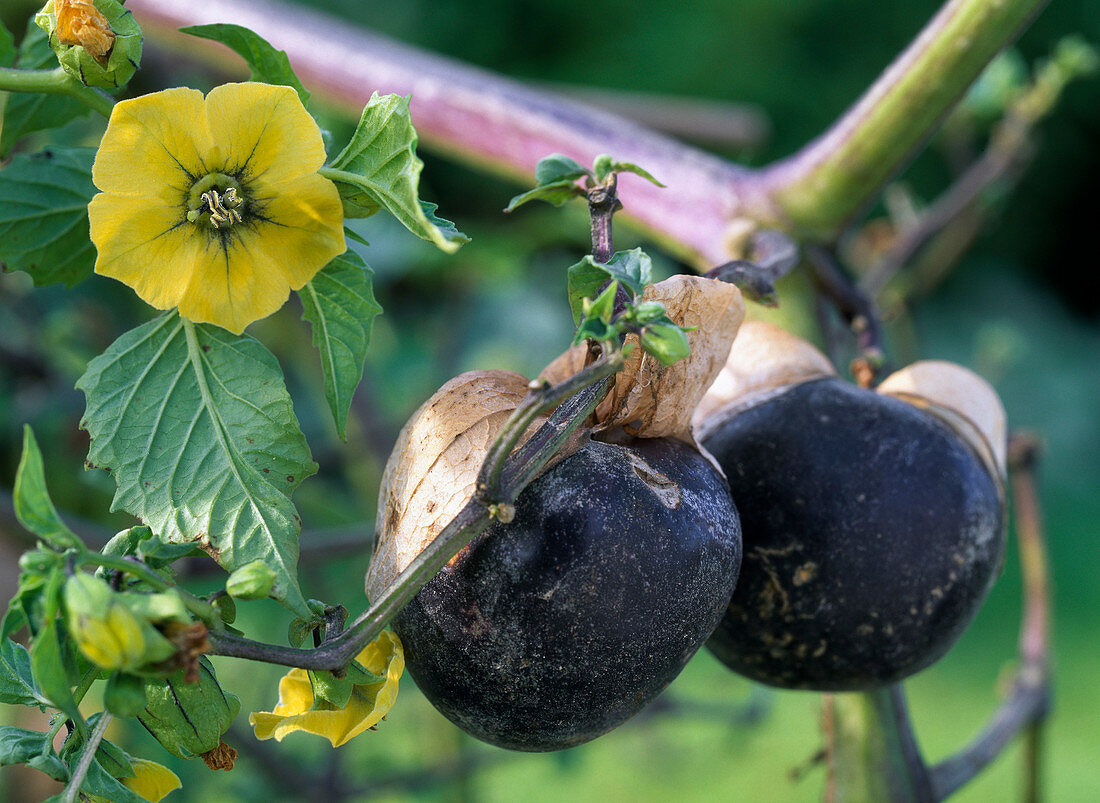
[
  {"x": 553, "y": 629},
  {"x": 872, "y": 533}
]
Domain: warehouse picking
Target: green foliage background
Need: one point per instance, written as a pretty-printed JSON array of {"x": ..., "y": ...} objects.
[{"x": 1015, "y": 309}]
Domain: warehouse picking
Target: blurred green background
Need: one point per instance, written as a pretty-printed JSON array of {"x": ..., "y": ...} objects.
[{"x": 1020, "y": 308}]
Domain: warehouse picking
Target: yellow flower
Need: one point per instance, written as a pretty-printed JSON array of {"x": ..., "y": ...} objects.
[
  {"x": 214, "y": 205},
  {"x": 368, "y": 704},
  {"x": 151, "y": 780}
]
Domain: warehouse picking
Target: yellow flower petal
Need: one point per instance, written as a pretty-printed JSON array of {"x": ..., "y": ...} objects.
[
  {"x": 155, "y": 146},
  {"x": 233, "y": 286},
  {"x": 151, "y": 780},
  {"x": 265, "y": 131},
  {"x": 368, "y": 704},
  {"x": 147, "y": 246},
  {"x": 310, "y": 227},
  {"x": 214, "y": 205}
]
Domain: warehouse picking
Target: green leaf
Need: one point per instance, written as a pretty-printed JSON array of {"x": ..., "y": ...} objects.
[
  {"x": 17, "y": 686},
  {"x": 7, "y": 51},
  {"x": 446, "y": 228},
  {"x": 33, "y": 506},
  {"x": 48, "y": 667},
  {"x": 595, "y": 323},
  {"x": 632, "y": 268},
  {"x": 602, "y": 166},
  {"x": 630, "y": 167},
  {"x": 584, "y": 280},
  {"x": 101, "y": 783},
  {"x": 44, "y": 215},
  {"x": 196, "y": 426},
  {"x": 559, "y": 167},
  {"x": 379, "y": 169},
  {"x": 21, "y": 746},
  {"x": 26, "y": 112},
  {"x": 556, "y": 193},
  {"x": 267, "y": 64},
  {"x": 339, "y": 304}
]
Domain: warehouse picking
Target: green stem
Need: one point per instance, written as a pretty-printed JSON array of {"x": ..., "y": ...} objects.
[
  {"x": 202, "y": 609},
  {"x": 86, "y": 758},
  {"x": 55, "y": 82},
  {"x": 875, "y": 755},
  {"x": 822, "y": 186},
  {"x": 90, "y": 677}
]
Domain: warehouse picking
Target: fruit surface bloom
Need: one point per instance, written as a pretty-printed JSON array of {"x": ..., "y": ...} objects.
[
  {"x": 298, "y": 710},
  {"x": 214, "y": 205}
]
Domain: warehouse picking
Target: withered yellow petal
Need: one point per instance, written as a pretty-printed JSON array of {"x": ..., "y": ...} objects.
[
  {"x": 151, "y": 780},
  {"x": 368, "y": 704},
  {"x": 264, "y": 131},
  {"x": 155, "y": 146}
]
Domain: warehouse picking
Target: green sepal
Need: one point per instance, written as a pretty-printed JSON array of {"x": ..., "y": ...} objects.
[
  {"x": 595, "y": 323},
  {"x": 122, "y": 61},
  {"x": 226, "y": 607},
  {"x": 330, "y": 691},
  {"x": 266, "y": 63},
  {"x": 665, "y": 341},
  {"x": 124, "y": 695},
  {"x": 188, "y": 719},
  {"x": 252, "y": 581}
]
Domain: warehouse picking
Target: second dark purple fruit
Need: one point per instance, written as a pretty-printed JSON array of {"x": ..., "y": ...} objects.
[
  {"x": 872, "y": 533},
  {"x": 552, "y": 630}
]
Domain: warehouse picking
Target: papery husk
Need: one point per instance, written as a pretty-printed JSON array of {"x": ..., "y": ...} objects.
[
  {"x": 651, "y": 400},
  {"x": 765, "y": 360},
  {"x": 434, "y": 465},
  {"x": 962, "y": 399}
]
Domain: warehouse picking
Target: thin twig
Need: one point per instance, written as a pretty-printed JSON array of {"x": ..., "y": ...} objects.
[
  {"x": 1029, "y": 700},
  {"x": 86, "y": 758},
  {"x": 858, "y": 310}
]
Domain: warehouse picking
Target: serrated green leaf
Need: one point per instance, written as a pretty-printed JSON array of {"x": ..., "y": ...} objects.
[
  {"x": 340, "y": 306},
  {"x": 26, "y": 112},
  {"x": 559, "y": 167},
  {"x": 379, "y": 169},
  {"x": 21, "y": 746},
  {"x": 267, "y": 64},
  {"x": 633, "y": 269},
  {"x": 196, "y": 426},
  {"x": 17, "y": 686},
  {"x": 44, "y": 215},
  {"x": 33, "y": 506},
  {"x": 446, "y": 228},
  {"x": 556, "y": 193}
]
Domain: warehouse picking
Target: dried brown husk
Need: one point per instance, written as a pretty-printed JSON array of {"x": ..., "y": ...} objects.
[
  {"x": 764, "y": 360},
  {"x": 961, "y": 399},
  {"x": 432, "y": 470}
]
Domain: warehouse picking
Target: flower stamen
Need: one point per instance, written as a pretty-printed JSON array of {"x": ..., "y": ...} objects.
[{"x": 224, "y": 208}]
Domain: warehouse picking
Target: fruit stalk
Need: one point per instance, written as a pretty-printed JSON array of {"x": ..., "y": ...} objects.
[
  {"x": 1029, "y": 700},
  {"x": 583, "y": 392}
]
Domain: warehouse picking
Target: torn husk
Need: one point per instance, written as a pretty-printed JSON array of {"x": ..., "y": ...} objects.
[
  {"x": 434, "y": 465},
  {"x": 764, "y": 360}
]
